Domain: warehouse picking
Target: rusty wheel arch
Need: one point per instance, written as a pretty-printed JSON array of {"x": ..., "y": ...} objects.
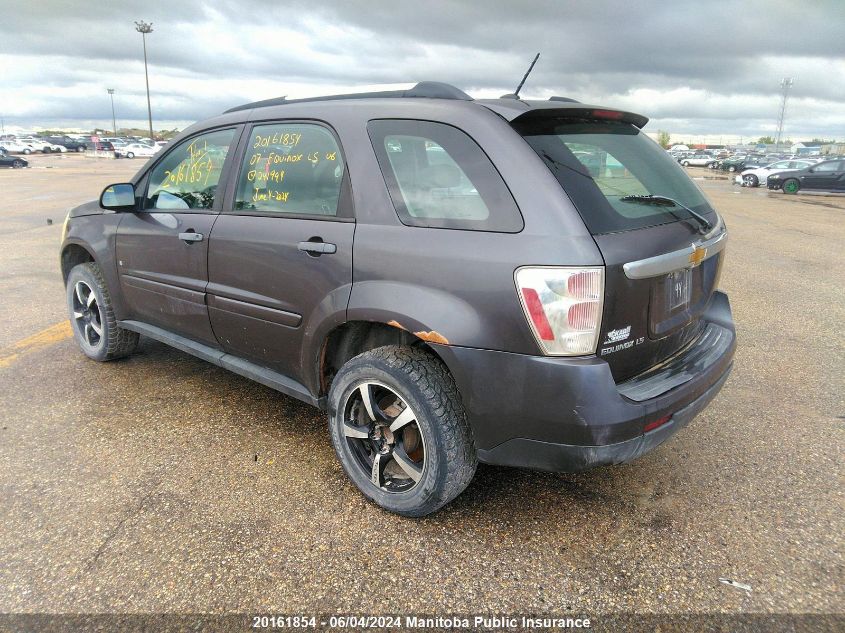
[{"x": 356, "y": 337}]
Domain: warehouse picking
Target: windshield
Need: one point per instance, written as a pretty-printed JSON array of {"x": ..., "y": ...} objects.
[{"x": 604, "y": 165}]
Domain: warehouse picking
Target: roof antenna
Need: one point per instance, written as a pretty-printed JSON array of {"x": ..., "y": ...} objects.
[{"x": 515, "y": 94}]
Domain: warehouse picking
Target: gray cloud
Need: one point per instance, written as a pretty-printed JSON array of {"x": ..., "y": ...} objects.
[{"x": 712, "y": 66}]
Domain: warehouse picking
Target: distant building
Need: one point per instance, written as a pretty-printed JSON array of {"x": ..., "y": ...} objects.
[
  {"x": 806, "y": 149},
  {"x": 833, "y": 149}
]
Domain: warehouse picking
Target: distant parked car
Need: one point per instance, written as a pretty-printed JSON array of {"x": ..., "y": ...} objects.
[
  {"x": 42, "y": 145},
  {"x": 698, "y": 160},
  {"x": 737, "y": 163},
  {"x": 17, "y": 147},
  {"x": 15, "y": 162},
  {"x": 132, "y": 150},
  {"x": 68, "y": 143},
  {"x": 102, "y": 146},
  {"x": 754, "y": 176},
  {"x": 828, "y": 175}
]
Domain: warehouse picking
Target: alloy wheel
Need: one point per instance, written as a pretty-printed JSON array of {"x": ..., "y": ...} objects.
[
  {"x": 86, "y": 314},
  {"x": 384, "y": 437}
]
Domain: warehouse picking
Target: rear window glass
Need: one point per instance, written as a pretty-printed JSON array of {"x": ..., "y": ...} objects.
[
  {"x": 291, "y": 168},
  {"x": 438, "y": 177},
  {"x": 604, "y": 165}
]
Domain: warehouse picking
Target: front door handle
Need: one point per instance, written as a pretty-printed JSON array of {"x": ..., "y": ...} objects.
[
  {"x": 190, "y": 237},
  {"x": 315, "y": 249}
]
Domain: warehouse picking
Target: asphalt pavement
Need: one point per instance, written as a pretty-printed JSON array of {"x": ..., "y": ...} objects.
[{"x": 163, "y": 483}]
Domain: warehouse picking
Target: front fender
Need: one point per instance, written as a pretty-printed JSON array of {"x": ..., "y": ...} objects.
[{"x": 96, "y": 234}]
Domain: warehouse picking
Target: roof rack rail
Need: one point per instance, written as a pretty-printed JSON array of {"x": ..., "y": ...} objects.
[
  {"x": 569, "y": 100},
  {"x": 424, "y": 89}
]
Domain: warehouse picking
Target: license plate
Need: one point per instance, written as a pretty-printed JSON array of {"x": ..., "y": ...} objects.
[{"x": 678, "y": 289}]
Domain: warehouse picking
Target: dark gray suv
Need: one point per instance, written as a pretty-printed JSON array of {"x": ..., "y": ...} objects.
[{"x": 524, "y": 283}]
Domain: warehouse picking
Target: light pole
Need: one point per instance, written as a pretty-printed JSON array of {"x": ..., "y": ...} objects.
[
  {"x": 143, "y": 28},
  {"x": 113, "y": 120},
  {"x": 785, "y": 85}
]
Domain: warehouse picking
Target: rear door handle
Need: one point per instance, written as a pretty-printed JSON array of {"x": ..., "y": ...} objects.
[
  {"x": 317, "y": 248},
  {"x": 191, "y": 237}
]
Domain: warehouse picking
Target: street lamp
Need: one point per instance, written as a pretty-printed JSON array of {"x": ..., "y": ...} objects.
[
  {"x": 113, "y": 121},
  {"x": 143, "y": 28}
]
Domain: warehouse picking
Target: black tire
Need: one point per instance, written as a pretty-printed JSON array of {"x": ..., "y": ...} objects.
[
  {"x": 130, "y": 155},
  {"x": 81, "y": 148},
  {"x": 732, "y": 168},
  {"x": 791, "y": 186},
  {"x": 87, "y": 316},
  {"x": 685, "y": 163},
  {"x": 17, "y": 164},
  {"x": 439, "y": 429},
  {"x": 27, "y": 151},
  {"x": 752, "y": 180}
]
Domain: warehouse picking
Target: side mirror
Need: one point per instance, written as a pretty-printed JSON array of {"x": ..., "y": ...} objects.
[{"x": 120, "y": 197}]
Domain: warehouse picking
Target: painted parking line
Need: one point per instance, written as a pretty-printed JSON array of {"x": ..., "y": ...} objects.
[{"x": 52, "y": 335}]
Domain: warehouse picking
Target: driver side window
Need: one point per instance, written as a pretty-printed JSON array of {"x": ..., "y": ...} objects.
[{"x": 187, "y": 177}]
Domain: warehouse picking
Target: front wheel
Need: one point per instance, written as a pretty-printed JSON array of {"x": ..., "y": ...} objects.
[
  {"x": 400, "y": 431},
  {"x": 81, "y": 148},
  {"x": 130, "y": 155},
  {"x": 791, "y": 185},
  {"x": 92, "y": 317},
  {"x": 27, "y": 151},
  {"x": 685, "y": 163},
  {"x": 17, "y": 164},
  {"x": 751, "y": 180},
  {"x": 732, "y": 169}
]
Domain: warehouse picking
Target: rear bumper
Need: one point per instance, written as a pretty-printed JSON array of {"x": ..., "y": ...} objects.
[{"x": 564, "y": 414}]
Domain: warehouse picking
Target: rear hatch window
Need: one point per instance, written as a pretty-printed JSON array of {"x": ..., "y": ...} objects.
[{"x": 605, "y": 165}]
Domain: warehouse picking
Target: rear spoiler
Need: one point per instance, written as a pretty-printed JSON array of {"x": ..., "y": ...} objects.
[{"x": 524, "y": 111}]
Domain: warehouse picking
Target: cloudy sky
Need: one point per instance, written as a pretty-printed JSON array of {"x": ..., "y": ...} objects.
[{"x": 706, "y": 67}]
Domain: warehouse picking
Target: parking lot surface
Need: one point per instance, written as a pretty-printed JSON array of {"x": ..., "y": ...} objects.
[{"x": 163, "y": 483}]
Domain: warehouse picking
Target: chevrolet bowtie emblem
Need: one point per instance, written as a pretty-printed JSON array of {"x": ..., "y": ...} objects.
[{"x": 697, "y": 256}]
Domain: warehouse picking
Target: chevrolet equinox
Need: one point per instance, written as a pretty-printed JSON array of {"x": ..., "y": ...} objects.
[{"x": 454, "y": 281}]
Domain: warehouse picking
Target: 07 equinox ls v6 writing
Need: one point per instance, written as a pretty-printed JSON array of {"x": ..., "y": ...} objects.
[{"x": 454, "y": 281}]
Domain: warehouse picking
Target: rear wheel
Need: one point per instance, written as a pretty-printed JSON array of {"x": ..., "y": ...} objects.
[
  {"x": 732, "y": 168},
  {"x": 27, "y": 151},
  {"x": 685, "y": 163},
  {"x": 399, "y": 430},
  {"x": 92, "y": 317},
  {"x": 791, "y": 185},
  {"x": 130, "y": 154},
  {"x": 81, "y": 148}
]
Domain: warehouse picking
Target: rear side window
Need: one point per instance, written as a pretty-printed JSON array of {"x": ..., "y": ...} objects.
[
  {"x": 603, "y": 166},
  {"x": 187, "y": 177},
  {"x": 438, "y": 177},
  {"x": 291, "y": 168},
  {"x": 830, "y": 166}
]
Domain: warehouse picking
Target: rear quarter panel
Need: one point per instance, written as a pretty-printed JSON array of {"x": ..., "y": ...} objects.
[{"x": 456, "y": 284}]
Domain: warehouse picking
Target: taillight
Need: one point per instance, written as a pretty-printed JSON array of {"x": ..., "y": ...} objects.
[{"x": 563, "y": 307}]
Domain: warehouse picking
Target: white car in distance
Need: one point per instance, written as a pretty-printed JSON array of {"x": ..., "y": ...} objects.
[
  {"x": 131, "y": 150},
  {"x": 756, "y": 176},
  {"x": 40, "y": 145},
  {"x": 699, "y": 160}
]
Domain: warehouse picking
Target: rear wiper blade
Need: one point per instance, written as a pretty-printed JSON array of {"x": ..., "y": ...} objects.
[{"x": 706, "y": 225}]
